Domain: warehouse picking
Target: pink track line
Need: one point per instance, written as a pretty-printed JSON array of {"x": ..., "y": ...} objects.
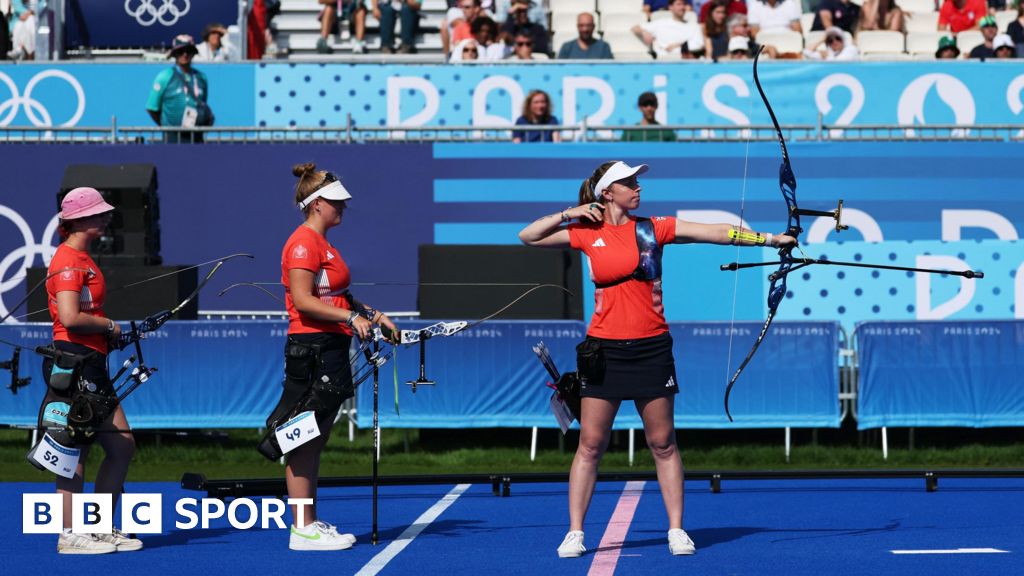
[{"x": 607, "y": 556}]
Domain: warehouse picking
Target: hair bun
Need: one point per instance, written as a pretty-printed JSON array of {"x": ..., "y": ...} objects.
[{"x": 301, "y": 170}]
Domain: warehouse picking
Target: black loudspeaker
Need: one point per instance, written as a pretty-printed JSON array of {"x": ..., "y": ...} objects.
[
  {"x": 133, "y": 237},
  {"x": 135, "y": 302},
  {"x": 511, "y": 269}
]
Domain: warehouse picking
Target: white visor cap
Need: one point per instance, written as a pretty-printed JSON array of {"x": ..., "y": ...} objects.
[
  {"x": 333, "y": 191},
  {"x": 618, "y": 171}
]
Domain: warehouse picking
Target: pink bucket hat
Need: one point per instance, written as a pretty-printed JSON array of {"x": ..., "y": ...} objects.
[{"x": 81, "y": 203}]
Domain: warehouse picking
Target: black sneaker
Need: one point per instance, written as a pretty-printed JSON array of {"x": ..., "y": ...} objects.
[
  {"x": 387, "y": 50},
  {"x": 406, "y": 49}
]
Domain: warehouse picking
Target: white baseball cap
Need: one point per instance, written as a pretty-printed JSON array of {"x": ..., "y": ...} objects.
[
  {"x": 738, "y": 43},
  {"x": 618, "y": 171},
  {"x": 1002, "y": 41}
]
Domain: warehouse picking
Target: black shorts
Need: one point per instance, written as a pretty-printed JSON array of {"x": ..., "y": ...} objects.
[
  {"x": 334, "y": 363},
  {"x": 94, "y": 369},
  {"x": 636, "y": 369}
]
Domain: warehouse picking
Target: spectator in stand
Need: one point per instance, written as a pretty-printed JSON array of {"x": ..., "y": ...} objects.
[
  {"x": 353, "y": 11},
  {"x": 958, "y": 15},
  {"x": 774, "y": 15},
  {"x": 716, "y": 33},
  {"x": 739, "y": 48},
  {"x": 738, "y": 28},
  {"x": 731, "y": 7},
  {"x": 585, "y": 47},
  {"x": 214, "y": 48},
  {"x": 648, "y": 104},
  {"x": 522, "y": 48},
  {"x": 987, "y": 48},
  {"x": 179, "y": 94},
  {"x": 1016, "y": 29},
  {"x": 651, "y": 6},
  {"x": 5, "y": 36},
  {"x": 466, "y": 50},
  {"x": 837, "y": 45},
  {"x": 947, "y": 49},
  {"x": 536, "y": 12},
  {"x": 880, "y": 15},
  {"x": 258, "y": 35},
  {"x": 536, "y": 112},
  {"x": 842, "y": 14},
  {"x": 386, "y": 13},
  {"x": 518, "y": 23},
  {"x": 670, "y": 35},
  {"x": 23, "y": 30},
  {"x": 462, "y": 17},
  {"x": 1004, "y": 46},
  {"x": 485, "y": 32}
]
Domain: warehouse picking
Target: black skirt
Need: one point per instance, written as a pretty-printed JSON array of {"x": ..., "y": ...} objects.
[{"x": 636, "y": 369}]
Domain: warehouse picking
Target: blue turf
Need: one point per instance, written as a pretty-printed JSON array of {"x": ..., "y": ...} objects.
[{"x": 752, "y": 527}]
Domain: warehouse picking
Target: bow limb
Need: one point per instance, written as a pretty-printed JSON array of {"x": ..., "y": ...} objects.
[
  {"x": 154, "y": 322},
  {"x": 787, "y": 186}
]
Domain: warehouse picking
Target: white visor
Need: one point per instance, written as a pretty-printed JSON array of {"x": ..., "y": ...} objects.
[
  {"x": 333, "y": 191},
  {"x": 618, "y": 171}
]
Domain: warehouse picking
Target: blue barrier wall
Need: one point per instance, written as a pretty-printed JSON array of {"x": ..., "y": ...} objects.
[
  {"x": 922, "y": 204},
  {"x": 291, "y": 94},
  {"x": 228, "y": 374},
  {"x": 940, "y": 374}
]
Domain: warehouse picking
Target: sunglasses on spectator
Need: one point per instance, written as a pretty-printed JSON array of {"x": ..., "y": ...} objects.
[
  {"x": 471, "y": 50},
  {"x": 649, "y": 105},
  {"x": 528, "y": 43}
]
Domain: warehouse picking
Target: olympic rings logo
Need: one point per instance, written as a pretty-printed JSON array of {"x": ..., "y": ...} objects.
[
  {"x": 147, "y": 13},
  {"x": 26, "y": 254},
  {"x": 36, "y": 112}
]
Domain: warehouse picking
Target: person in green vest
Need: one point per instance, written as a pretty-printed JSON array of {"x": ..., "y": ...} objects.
[
  {"x": 179, "y": 95},
  {"x": 648, "y": 104}
]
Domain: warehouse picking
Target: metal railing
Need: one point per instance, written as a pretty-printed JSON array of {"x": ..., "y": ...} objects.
[{"x": 351, "y": 133}]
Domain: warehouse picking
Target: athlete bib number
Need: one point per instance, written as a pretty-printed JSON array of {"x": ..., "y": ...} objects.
[
  {"x": 56, "y": 458},
  {"x": 297, "y": 431}
]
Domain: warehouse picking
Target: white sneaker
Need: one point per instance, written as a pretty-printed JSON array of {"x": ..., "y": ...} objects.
[
  {"x": 121, "y": 541},
  {"x": 572, "y": 546},
  {"x": 69, "y": 543},
  {"x": 679, "y": 543},
  {"x": 319, "y": 536},
  {"x": 334, "y": 530},
  {"x": 358, "y": 47}
]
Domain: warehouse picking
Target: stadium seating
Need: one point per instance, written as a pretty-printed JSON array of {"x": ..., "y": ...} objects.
[
  {"x": 621, "y": 21},
  {"x": 617, "y": 5},
  {"x": 880, "y": 42},
  {"x": 922, "y": 22},
  {"x": 626, "y": 46},
  {"x": 783, "y": 40},
  {"x": 917, "y": 6},
  {"x": 968, "y": 39},
  {"x": 923, "y": 42}
]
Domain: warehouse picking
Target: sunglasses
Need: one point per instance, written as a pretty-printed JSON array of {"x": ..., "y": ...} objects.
[
  {"x": 524, "y": 43},
  {"x": 469, "y": 51},
  {"x": 649, "y": 105}
]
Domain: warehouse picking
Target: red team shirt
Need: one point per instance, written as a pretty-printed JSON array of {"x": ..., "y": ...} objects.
[
  {"x": 632, "y": 309},
  {"x": 307, "y": 250},
  {"x": 73, "y": 270}
]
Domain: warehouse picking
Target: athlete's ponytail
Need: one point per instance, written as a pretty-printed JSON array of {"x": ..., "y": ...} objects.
[{"x": 587, "y": 192}]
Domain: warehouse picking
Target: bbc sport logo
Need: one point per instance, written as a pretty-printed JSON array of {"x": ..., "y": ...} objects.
[{"x": 143, "y": 513}]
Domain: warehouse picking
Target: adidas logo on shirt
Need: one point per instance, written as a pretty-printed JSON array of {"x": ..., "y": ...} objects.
[
  {"x": 671, "y": 382},
  {"x": 330, "y": 256},
  {"x": 598, "y": 243}
]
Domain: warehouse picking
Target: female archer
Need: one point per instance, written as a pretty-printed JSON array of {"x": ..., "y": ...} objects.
[{"x": 628, "y": 351}]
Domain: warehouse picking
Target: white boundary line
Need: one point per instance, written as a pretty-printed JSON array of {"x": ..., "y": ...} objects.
[
  {"x": 378, "y": 562},
  {"x": 954, "y": 551}
]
